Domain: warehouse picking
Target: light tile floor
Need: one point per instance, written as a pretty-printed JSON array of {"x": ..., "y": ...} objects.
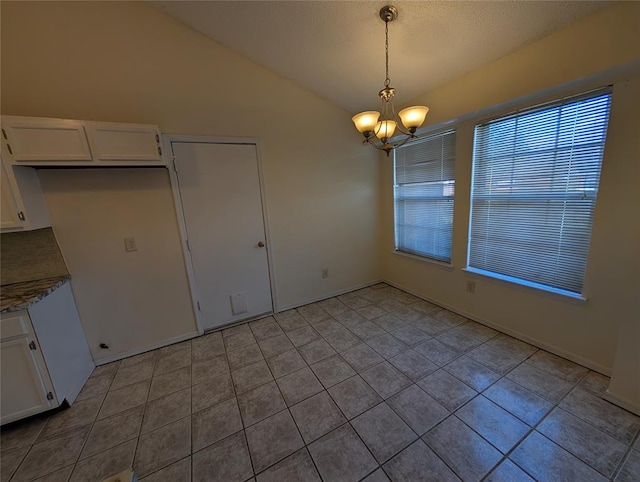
[{"x": 373, "y": 385}]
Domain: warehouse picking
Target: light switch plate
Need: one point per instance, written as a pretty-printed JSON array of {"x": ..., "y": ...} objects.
[{"x": 130, "y": 244}]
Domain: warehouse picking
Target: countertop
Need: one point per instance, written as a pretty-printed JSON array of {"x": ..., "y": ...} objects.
[{"x": 19, "y": 296}]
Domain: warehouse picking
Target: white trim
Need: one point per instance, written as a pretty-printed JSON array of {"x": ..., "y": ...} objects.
[
  {"x": 329, "y": 295},
  {"x": 168, "y": 140},
  {"x": 267, "y": 232},
  {"x": 515, "y": 334},
  {"x": 182, "y": 227},
  {"x": 138, "y": 351},
  {"x": 622, "y": 402},
  {"x": 611, "y": 75},
  {"x": 524, "y": 285}
]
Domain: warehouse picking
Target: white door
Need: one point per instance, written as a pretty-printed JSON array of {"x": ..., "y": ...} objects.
[{"x": 222, "y": 204}]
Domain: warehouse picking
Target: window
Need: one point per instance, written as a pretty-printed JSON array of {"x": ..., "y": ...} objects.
[
  {"x": 535, "y": 182},
  {"x": 423, "y": 196}
]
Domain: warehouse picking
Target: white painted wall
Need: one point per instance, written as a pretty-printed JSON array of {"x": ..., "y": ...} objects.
[
  {"x": 128, "y": 62},
  {"x": 585, "y": 331},
  {"x": 129, "y": 300}
]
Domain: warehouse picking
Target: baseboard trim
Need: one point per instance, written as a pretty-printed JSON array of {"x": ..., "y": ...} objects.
[
  {"x": 231, "y": 324},
  {"x": 622, "y": 402},
  {"x": 327, "y": 296},
  {"x": 596, "y": 367},
  {"x": 138, "y": 351},
  {"x": 497, "y": 326}
]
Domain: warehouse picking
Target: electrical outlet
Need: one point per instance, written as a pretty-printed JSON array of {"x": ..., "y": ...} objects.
[
  {"x": 130, "y": 244},
  {"x": 471, "y": 286},
  {"x": 325, "y": 273}
]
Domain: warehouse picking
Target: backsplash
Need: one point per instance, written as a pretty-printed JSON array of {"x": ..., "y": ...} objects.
[{"x": 29, "y": 256}]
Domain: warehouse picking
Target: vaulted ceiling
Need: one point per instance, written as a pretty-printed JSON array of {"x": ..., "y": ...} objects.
[{"x": 336, "y": 48}]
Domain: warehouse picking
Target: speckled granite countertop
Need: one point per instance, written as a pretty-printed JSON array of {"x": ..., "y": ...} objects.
[{"x": 18, "y": 296}]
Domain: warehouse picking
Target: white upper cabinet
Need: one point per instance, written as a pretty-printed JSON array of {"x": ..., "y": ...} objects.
[
  {"x": 124, "y": 142},
  {"x": 40, "y": 142},
  {"x": 9, "y": 217},
  {"x": 23, "y": 205},
  {"x": 45, "y": 140}
]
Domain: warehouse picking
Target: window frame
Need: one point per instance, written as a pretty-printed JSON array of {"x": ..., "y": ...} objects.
[
  {"x": 523, "y": 110},
  {"x": 415, "y": 255}
]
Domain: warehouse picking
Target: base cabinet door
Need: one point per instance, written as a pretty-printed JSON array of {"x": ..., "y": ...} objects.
[{"x": 24, "y": 390}]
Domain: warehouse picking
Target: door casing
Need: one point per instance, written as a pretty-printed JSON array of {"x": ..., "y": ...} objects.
[{"x": 168, "y": 140}]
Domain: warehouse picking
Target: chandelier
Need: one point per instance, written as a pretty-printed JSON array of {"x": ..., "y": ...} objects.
[{"x": 378, "y": 128}]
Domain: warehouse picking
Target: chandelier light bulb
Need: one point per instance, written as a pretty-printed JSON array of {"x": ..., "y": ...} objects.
[
  {"x": 385, "y": 129},
  {"x": 413, "y": 117},
  {"x": 366, "y": 121}
]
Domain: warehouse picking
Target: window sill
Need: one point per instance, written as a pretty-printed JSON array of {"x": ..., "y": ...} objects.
[
  {"x": 421, "y": 259},
  {"x": 527, "y": 286}
]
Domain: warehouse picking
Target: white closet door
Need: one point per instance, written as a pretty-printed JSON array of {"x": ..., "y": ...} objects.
[{"x": 222, "y": 203}]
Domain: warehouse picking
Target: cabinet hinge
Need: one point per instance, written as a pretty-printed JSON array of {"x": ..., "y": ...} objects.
[
  {"x": 32, "y": 345},
  {"x": 159, "y": 150},
  {"x": 157, "y": 138},
  {"x": 188, "y": 246},
  {"x": 49, "y": 396},
  {"x": 21, "y": 216},
  {"x": 9, "y": 147},
  {"x": 198, "y": 303},
  {"x": 4, "y": 134}
]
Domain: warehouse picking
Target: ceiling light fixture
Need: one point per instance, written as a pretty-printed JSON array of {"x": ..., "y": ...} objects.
[{"x": 382, "y": 125}]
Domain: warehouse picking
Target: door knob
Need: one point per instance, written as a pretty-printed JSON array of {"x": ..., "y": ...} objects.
[{"x": 260, "y": 244}]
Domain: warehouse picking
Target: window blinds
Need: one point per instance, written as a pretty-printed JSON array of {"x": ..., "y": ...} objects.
[
  {"x": 535, "y": 181},
  {"x": 423, "y": 196}
]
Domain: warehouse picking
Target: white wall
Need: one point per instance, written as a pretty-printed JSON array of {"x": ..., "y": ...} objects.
[
  {"x": 129, "y": 300},
  {"x": 585, "y": 331},
  {"x": 128, "y": 62}
]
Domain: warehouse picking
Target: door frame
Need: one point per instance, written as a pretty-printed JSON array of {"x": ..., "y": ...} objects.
[{"x": 168, "y": 140}]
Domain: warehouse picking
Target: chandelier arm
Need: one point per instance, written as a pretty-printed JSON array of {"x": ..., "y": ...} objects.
[
  {"x": 390, "y": 142},
  {"x": 372, "y": 140},
  {"x": 404, "y": 141},
  {"x": 381, "y": 146},
  {"x": 400, "y": 127}
]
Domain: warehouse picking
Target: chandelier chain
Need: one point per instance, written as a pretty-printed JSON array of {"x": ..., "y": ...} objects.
[{"x": 386, "y": 52}]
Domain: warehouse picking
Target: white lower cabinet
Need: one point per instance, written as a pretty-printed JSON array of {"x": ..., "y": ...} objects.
[
  {"x": 26, "y": 387},
  {"x": 44, "y": 355}
]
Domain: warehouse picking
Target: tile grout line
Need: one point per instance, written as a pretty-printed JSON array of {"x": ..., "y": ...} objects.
[
  {"x": 288, "y": 408},
  {"x": 625, "y": 457},
  {"x": 532, "y": 428}
]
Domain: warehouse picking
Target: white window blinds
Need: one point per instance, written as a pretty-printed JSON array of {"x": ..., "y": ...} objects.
[
  {"x": 535, "y": 181},
  {"x": 423, "y": 196}
]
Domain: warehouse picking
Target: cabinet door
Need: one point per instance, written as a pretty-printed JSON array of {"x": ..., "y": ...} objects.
[
  {"x": 124, "y": 142},
  {"x": 9, "y": 216},
  {"x": 39, "y": 139},
  {"x": 24, "y": 391}
]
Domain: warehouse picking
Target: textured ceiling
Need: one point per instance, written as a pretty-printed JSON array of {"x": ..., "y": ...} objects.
[{"x": 336, "y": 48}]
